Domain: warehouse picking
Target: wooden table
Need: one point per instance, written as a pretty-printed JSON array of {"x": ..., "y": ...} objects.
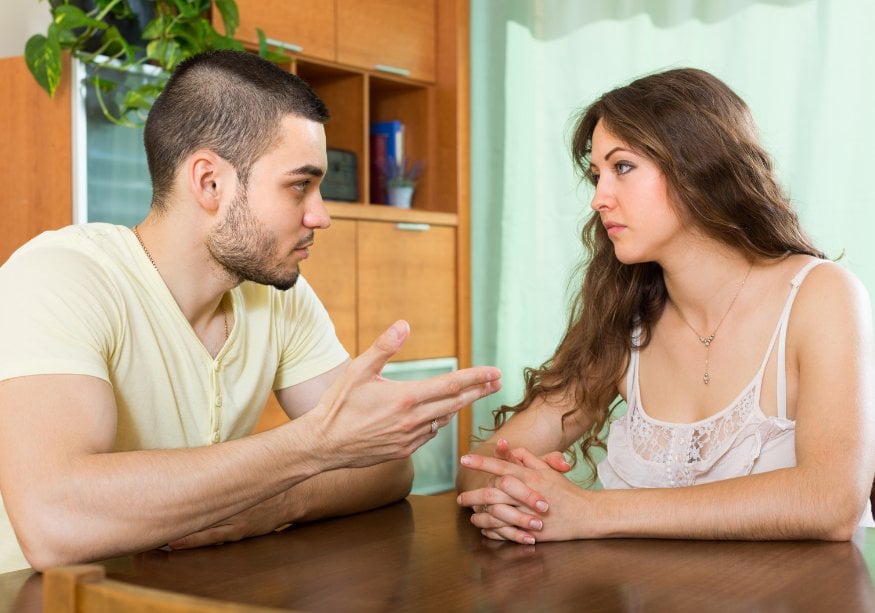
[{"x": 422, "y": 554}]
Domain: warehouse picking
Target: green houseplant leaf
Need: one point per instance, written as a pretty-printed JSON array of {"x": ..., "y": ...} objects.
[
  {"x": 230, "y": 15},
  {"x": 266, "y": 52},
  {"x": 68, "y": 17},
  {"x": 178, "y": 30},
  {"x": 42, "y": 54}
]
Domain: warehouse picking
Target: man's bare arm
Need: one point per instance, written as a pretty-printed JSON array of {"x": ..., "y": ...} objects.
[
  {"x": 329, "y": 494},
  {"x": 71, "y": 498}
]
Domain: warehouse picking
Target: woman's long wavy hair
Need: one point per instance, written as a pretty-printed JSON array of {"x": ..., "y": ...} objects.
[{"x": 703, "y": 138}]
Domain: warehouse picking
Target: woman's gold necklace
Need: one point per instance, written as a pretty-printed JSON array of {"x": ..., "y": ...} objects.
[
  {"x": 155, "y": 266},
  {"x": 707, "y": 340}
]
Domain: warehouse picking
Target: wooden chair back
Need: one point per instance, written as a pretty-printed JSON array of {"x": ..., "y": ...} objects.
[{"x": 85, "y": 589}]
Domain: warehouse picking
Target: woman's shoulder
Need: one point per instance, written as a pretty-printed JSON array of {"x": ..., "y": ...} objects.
[
  {"x": 810, "y": 273},
  {"x": 828, "y": 293},
  {"x": 822, "y": 279}
]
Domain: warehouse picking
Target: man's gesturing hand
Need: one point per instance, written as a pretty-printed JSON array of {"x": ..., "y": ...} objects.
[{"x": 366, "y": 419}]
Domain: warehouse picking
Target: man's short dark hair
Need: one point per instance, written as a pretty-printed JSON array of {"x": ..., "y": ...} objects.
[{"x": 230, "y": 102}]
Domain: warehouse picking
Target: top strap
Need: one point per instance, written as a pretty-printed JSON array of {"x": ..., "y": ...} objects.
[
  {"x": 795, "y": 283},
  {"x": 632, "y": 370}
]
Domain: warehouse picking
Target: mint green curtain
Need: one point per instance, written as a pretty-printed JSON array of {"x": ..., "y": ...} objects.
[{"x": 802, "y": 65}]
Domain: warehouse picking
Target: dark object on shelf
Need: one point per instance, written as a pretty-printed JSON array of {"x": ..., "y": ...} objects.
[
  {"x": 379, "y": 191},
  {"x": 340, "y": 181}
]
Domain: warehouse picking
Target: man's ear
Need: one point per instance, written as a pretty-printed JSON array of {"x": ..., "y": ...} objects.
[{"x": 209, "y": 177}]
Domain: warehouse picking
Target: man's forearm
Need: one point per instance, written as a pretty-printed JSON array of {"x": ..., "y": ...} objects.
[
  {"x": 328, "y": 494},
  {"x": 349, "y": 490}
]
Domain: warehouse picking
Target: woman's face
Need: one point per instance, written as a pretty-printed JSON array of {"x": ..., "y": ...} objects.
[{"x": 632, "y": 199}]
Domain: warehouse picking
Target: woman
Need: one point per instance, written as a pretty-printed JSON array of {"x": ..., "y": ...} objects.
[{"x": 744, "y": 356}]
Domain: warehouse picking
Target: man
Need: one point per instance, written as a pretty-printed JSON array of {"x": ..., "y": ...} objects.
[{"x": 134, "y": 363}]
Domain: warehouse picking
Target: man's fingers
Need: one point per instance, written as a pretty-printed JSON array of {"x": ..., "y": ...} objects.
[
  {"x": 450, "y": 392},
  {"x": 445, "y": 408},
  {"x": 372, "y": 360},
  {"x": 214, "y": 535}
]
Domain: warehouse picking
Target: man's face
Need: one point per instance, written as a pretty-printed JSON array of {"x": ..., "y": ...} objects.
[{"x": 270, "y": 225}]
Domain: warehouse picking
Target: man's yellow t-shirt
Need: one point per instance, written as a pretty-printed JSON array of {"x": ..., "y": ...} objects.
[{"x": 87, "y": 300}]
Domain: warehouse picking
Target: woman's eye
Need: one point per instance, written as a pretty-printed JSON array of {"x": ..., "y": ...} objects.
[
  {"x": 623, "y": 167},
  {"x": 594, "y": 177}
]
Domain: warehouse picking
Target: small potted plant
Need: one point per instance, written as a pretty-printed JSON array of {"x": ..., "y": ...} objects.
[{"x": 401, "y": 178}]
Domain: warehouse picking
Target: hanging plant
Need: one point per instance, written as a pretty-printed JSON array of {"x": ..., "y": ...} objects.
[{"x": 127, "y": 35}]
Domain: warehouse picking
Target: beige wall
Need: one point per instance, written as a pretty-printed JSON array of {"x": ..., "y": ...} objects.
[{"x": 19, "y": 20}]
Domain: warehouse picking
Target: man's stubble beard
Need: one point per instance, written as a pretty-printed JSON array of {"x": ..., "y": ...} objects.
[{"x": 245, "y": 250}]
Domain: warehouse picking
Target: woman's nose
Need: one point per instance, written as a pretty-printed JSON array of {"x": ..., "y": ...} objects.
[{"x": 602, "y": 199}]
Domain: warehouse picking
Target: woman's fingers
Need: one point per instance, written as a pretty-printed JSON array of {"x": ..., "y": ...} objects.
[
  {"x": 499, "y": 515},
  {"x": 515, "y": 486},
  {"x": 509, "y": 533},
  {"x": 478, "y": 499},
  {"x": 502, "y": 450},
  {"x": 556, "y": 460},
  {"x": 510, "y": 508},
  {"x": 508, "y": 522}
]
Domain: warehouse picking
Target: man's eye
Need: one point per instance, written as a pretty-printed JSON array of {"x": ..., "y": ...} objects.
[{"x": 302, "y": 185}]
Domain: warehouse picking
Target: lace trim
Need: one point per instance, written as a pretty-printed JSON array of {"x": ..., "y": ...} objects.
[{"x": 680, "y": 447}]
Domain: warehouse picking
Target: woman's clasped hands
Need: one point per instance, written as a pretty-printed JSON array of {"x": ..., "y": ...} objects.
[{"x": 527, "y": 499}]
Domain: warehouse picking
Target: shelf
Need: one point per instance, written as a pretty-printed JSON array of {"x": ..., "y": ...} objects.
[{"x": 380, "y": 212}]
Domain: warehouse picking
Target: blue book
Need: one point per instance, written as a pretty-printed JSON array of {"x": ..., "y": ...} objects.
[{"x": 394, "y": 133}]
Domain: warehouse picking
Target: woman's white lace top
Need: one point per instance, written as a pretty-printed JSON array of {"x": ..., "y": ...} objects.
[{"x": 739, "y": 440}]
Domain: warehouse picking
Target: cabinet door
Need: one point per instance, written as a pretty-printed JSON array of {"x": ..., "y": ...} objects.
[
  {"x": 35, "y": 152},
  {"x": 306, "y": 26},
  {"x": 407, "y": 271},
  {"x": 331, "y": 271},
  {"x": 398, "y": 35}
]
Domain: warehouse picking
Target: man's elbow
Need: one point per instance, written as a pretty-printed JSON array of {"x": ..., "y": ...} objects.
[
  {"x": 44, "y": 553},
  {"x": 47, "y": 541},
  {"x": 404, "y": 477}
]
